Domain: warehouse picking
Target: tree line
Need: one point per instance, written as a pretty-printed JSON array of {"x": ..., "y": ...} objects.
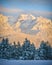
[{"x": 26, "y": 51}]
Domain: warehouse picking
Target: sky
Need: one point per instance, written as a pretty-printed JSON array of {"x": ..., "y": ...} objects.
[
  {"x": 14, "y": 7},
  {"x": 26, "y": 5}
]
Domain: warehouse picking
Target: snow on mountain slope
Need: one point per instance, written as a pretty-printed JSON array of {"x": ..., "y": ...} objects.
[
  {"x": 5, "y": 28},
  {"x": 26, "y": 16},
  {"x": 16, "y": 27},
  {"x": 45, "y": 27},
  {"x": 42, "y": 23},
  {"x": 29, "y": 23},
  {"x": 24, "y": 22}
]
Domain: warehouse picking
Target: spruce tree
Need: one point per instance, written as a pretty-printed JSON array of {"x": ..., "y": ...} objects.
[{"x": 45, "y": 51}]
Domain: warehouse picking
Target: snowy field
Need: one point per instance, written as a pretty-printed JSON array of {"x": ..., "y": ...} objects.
[{"x": 25, "y": 62}]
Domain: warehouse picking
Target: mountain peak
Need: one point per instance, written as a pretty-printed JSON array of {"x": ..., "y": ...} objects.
[
  {"x": 43, "y": 20},
  {"x": 42, "y": 25},
  {"x": 26, "y": 17}
]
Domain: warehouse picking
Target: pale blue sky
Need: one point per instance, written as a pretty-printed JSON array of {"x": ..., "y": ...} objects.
[
  {"x": 28, "y": 4},
  {"x": 44, "y": 6}
]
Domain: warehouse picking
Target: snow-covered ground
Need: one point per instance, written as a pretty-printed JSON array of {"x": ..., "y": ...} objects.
[{"x": 25, "y": 62}]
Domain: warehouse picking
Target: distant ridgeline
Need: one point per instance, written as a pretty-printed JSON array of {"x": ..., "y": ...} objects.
[{"x": 27, "y": 51}]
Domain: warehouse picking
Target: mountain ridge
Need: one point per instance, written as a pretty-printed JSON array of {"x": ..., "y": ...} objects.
[{"x": 14, "y": 33}]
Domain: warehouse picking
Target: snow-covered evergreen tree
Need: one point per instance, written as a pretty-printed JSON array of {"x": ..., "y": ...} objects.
[
  {"x": 49, "y": 52},
  {"x": 45, "y": 51},
  {"x": 28, "y": 50},
  {"x": 37, "y": 55},
  {"x": 4, "y": 47}
]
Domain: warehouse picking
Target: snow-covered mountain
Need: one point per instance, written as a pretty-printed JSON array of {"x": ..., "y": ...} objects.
[
  {"x": 24, "y": 22},
  {"x": 45, "y": 29},
  {"x": 26, "y": 17},
  {"x": 28, "y": 26},
  {"x": 5, "y": 29}
]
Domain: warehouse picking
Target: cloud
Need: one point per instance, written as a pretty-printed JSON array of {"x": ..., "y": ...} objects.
[
  {"x": 17, "y": 11},
  {"x": 41, "y": 12},
  {"x": 46, "y": 14},
  {"x": 8, "y": 10}
]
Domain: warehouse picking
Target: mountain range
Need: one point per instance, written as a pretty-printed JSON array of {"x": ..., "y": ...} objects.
[{"x": 28, "y": 26}]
